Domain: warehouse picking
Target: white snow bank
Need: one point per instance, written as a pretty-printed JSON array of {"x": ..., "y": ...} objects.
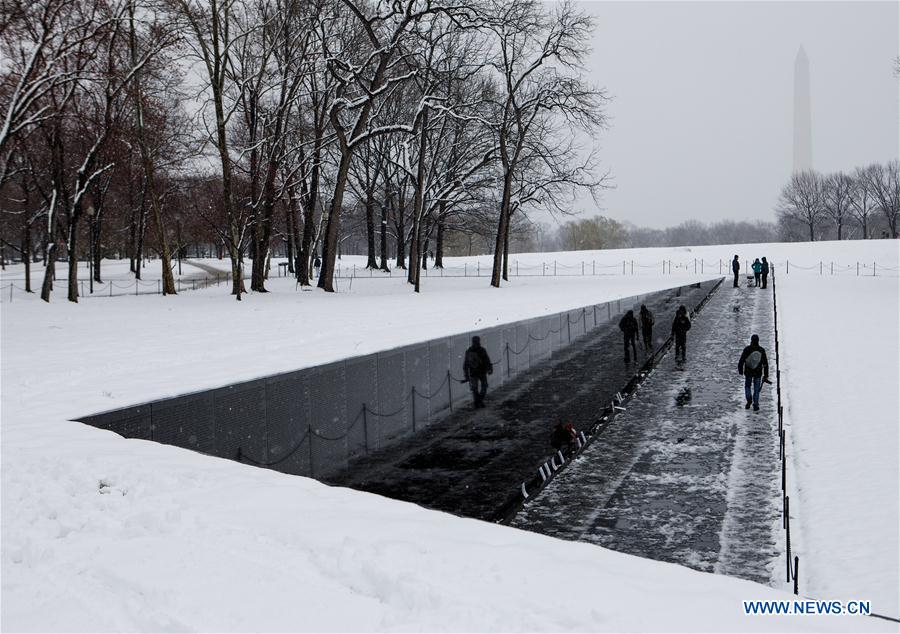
[{"x": 840, "y": 358}]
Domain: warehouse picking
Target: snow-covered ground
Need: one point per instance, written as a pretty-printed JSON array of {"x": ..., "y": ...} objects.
[
  {"x": 105, "y": 534},
  {"x": 841, "y": 386}
]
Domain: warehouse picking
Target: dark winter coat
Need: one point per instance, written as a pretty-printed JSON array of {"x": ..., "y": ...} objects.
[
  {"x": 646, "y": 320},
  {"x": 562, "y": 436},
  {"x": 735, "y": 266},
  {"x": 628, "y": 325},
  {"x": 762, "y": 366},
  {"x": 680, "y": 326},
  {"x": 765, "y": 267},
  {"x": 477, "y": 363}
]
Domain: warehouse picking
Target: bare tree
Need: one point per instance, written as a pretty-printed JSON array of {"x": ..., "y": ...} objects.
[
  {"x": 538, "y": 65},
  {"x": 802, "y": 201},
  {"x": 884, "y": 182},
  {"x": 837, "y": 194},
  {"x": 862, "y": 199}
]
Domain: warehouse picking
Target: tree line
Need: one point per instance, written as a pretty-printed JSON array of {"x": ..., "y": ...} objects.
[
  {"x": 240, "y": 128},
  {"x": 864, "y": 203}
]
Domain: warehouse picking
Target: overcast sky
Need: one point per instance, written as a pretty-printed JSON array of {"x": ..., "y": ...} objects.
[{"x": 702, "y": 111}]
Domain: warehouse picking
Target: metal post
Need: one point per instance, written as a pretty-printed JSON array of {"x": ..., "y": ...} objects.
[
  {"x": 554, "y": 268},
  {"x": 796, "y": 573},
  {"x": 820, "y": 267},
  {"x": 478, "y": 269},
  {"x": 450, "y": 390},
  {"x": 135, "y": 287},
  {"x": 365, "y": 427},
  {"x": 623, "y": 267},
  {"x": 10, "y": 292},
  {"x": 695, "y": 266},
  {"x": 873, "y": 268},
  {"x": 507, "y": 360},
  {"x": 158, "y": 287},
  {"x": 110, "y": 287},
  {"x": 857, "y": 269},
  {"x": 664, "y": 267},
  {"x": 582, "y": 267},
  {"x": 632, "y": 267},
  {"x": 787, "y": 528},
  {"x": 309, "y": 435},
  {"x": 465, "y": 269}
]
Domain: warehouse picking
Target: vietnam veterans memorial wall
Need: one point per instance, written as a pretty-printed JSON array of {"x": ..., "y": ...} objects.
[{"x": 312, "y": 421}]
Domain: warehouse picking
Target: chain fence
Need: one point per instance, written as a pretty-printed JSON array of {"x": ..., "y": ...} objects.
[
  {"x": 554, "y": 268},
  {"x": 15, "y": 286},
  {"x": 792, "y": 566},
  {"x": 313, "y": 421},
  {"x": 113, "y": 288}
]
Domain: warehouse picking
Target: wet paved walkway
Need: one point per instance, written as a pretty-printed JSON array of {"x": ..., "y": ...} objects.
[
  {"x": 472, "y": 462},
  {"x": 686, "y": 474}
]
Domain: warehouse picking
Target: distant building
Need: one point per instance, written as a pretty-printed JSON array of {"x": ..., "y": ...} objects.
[{"x": 802, "y": 119}]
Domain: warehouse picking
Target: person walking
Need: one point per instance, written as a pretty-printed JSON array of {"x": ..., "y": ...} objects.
[
  {"x": 647, "y": 328},
  {"x": 736, "y": 269},
  {"x": 629, "y": 327},
  {"x": 765, "y": 272},
  {"x": 680, "y": 326},
  {"x": 476, "y": 366},
  {"x": 754, "y": 366},
  {"x": 757, "y": 271}
]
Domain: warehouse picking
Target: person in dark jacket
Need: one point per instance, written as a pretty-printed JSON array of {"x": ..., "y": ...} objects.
[
  {"x": 680, "y": 326},
  {"x": 757, "y": 271},
  {"x": 765, "y": 272},
  {"x": 563, "y": 437},
  {"x": 476, "y": 366},
  {"x": 647, "y": 328},
  {"x": 629, "y": 327},
  {"x": 736, "y": 269},
  {"x": 754, "y": 366}
]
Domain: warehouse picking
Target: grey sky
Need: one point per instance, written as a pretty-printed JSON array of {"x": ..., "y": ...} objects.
[{"x": 701, "y": 120}]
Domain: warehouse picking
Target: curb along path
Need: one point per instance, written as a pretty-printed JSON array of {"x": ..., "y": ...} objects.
[{"x": 686, "y": 474}]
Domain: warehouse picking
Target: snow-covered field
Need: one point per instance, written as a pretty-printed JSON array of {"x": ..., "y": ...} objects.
[{"x": 100, "y": 533}]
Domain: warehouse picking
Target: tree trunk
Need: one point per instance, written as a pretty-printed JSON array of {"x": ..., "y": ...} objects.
[
  {"x": 371, "y": 262},
  {"x": 49, "y": 272},
  {"x": 384, "y": 254},
  {"x": 332, "y": 229},
  {"x": 96, "y": 231},
  {"x": 141, "y": 230},
  {"x": 425, "y": 255},
  {"x": 502, "y": 229},
  {"x": 73, "y": 258},
  {"x": 506, "y": 255},
  {"x": 439, "y": 247},
  {"x": 289, "y": 224},
  {"x": 401, "y": 235},
  {"x": 26, "y": 255}
]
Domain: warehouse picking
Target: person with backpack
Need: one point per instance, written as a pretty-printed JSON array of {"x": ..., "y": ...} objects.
[
  {"x": 765, "y": 272},
  {"x": 754, "y": 366},
  {"x": 476, "y": 366},
  {"x": 680, "y": 326},
  {"x": 647, "y": 328},
  {"x": 629, "y": 327},
  {"x": 757, "y": 271},
  {"x": 736, "y": 268}
]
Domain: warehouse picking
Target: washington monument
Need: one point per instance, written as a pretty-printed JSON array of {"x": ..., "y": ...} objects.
[{"x": 802, "y": 123}]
